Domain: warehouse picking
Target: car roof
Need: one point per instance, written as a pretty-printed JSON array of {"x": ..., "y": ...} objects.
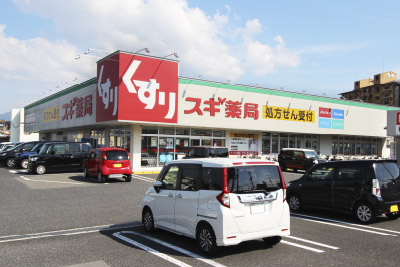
[
  {"x": 297, "y": 149},
  {"x": 111, "y": 149},
  {"x": 223, "y": 162},
  {"x": 358, "y": 161}
]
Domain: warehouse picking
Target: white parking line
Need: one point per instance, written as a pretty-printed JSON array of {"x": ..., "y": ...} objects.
[
  {"x": 181, "y": 250},
  {"x": 143, "y": 178},
  {"x": 46, "y": 181},
  {"x": 301, "y": 246},
  {"x": 66, "y": 232},
  {"x": 153, "y": 251},
  {"x": 343, "y": 226},
  {"x": 311, "y": 242},
  {"x": 359, "y": 225}
]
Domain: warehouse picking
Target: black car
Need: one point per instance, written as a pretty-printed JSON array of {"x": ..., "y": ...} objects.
[
  {"x": 207, "y": 152},
  {"x": 9, "y": 157},
  {"x": 298, "y": 159},
  {"x": 60, "y": 156},
  {"x": 365, "y": 188}
]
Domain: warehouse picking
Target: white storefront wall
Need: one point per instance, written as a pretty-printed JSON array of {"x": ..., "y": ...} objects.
[{"x": 358, "y": 119}]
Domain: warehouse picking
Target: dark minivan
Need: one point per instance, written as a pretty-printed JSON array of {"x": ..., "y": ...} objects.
[
  {"x": 207, "y": 152},
  {"x": 60, "y": 156},
  {"x": 365, "y": 188},
  {"x": 298, "y": 159}
]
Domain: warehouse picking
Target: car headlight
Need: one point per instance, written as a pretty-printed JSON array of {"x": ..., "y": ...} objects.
[
  {"x": 33, "y": 158},
  {"x": 315, "y": 161},
  {"x": 2, "y": 154}
]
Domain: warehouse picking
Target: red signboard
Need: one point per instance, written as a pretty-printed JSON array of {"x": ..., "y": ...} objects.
[
  {"x": 398, "y": 118},
  {"x": 137, "y": 88},
  {"x": 325, "y": 112}
]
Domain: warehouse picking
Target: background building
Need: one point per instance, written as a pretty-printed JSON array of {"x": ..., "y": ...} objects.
[{"x": 383, "y": 89}]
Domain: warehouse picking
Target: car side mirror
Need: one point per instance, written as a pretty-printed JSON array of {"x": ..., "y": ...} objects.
[{"x": 157, "y": 186}]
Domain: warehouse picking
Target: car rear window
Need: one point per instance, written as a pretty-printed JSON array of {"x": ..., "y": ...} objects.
[
  {"x": 197, "y": 153},
  {"x": 386, "y": 171},
  {"x": 219, "y": 152},
  {"x": 116, "y": 155},
  {"x": 254, "y": 178}
]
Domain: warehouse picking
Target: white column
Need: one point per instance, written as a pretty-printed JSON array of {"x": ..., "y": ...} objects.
[{"x": 136, "y": 146}]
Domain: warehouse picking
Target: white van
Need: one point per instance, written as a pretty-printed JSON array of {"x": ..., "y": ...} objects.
[{"x": 219, "y": 201}]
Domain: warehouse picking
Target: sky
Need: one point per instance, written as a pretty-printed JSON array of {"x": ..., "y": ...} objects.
[{"x": 312, "y": 46}]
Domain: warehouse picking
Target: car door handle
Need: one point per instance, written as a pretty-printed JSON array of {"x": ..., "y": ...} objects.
[
  {"x": 170, "y": 195},
  {"x": 179, "y": 196}
]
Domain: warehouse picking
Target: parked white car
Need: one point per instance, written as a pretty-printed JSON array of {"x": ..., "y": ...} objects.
[{"x": 219, "y": 201}]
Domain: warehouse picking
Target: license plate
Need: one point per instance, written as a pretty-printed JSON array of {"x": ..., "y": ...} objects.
[
  {"x": 257, "y": 208},
  {"x": 117, "y": 165},
  {"x": 394, "y": 208}
]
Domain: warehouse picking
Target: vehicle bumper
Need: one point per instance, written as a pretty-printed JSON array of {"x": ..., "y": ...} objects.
[
  {"x": 387, "y": 207},
  {"x": 116, "y": 171}
]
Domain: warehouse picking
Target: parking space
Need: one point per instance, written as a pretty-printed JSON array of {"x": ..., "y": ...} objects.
[{"x": 102, "y": 227}]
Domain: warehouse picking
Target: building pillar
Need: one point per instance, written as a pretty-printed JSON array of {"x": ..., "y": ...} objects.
[
  {"x": 136, "y": 146},
  {"x": 107, "y": 137}
]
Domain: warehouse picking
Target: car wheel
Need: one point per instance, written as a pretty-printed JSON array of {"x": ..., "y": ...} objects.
[
  {"x": 364, "y": 213},
  {"x": 294, "y": 202},
  {"x": 273, "y": 240},
  {"x": 85, "y": 174},
  {"x": 100, "y": 177},
  {"x": 40, "y": 169},
  {"x": 10, "y": 162},
  {"x": 393, "y": 216},
  {"x": 128, "y": 178},
  {"x": 206, "y": 239},
  {"x": 148, "y": 220},
  {"x": 283, "y": 168},
  {"x": 24, "y": 163},
  {"x": 295, "y": 170}
]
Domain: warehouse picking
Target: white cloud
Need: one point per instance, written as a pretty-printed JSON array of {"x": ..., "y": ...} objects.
[
  {"x": 204, "y": 43},
  {"x": 30, "y": 67}
]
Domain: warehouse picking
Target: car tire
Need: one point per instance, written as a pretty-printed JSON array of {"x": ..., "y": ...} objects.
[
  {"x": 364, "y": 213},
  {"x": 294, "y": 202},
  {"x": 10, "y": 162},
  {"x": 206, "y": 239},
  {"x": 148, "y": 220},
  {"x": 283, "y": 168},
  {"x": 393, "y": 216},
  {"x": 40, "y": 169},
  {"x": 273, "y": 240},
  {"x": 85, "y": 173},
  {"x": 128, "y": 178},
  {"x": 24, "y": 163},
  {"x": 100, "y": 177}
]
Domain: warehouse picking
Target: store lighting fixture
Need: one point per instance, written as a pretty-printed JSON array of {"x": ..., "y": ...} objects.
[
  {"x": 173, "y": 54},
  {"x": 145, "y": 49}
]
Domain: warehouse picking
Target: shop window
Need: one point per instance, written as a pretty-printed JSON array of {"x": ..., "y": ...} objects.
[
  {"x": 201, "y": 132},
  {"x": 181, "y": 131},
  {"x": 219, "y": 133},
  {"x": 167, "y": 131},
  {"x": 149, "y": 130}
]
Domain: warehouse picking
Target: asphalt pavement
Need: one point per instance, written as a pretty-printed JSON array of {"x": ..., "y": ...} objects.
[{"x": 64, "y": 219}]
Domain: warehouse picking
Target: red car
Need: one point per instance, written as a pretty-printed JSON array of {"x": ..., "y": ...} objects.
[{"x": 109, "y": 162}]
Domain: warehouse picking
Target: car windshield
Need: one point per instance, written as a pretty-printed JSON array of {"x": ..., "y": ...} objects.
[
  {"x": 45, "y": 149},
  {"x": 36, "y": 147},
  {"x": 254, "y": 178},
  {"x": 311, "y": 154},
  {"x": 116, "y": 155}
]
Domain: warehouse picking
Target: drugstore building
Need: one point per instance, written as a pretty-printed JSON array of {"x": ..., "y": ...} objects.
[{"x": 139, "y": 102}]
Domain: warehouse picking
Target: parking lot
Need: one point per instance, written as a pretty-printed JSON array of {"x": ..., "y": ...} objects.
[{"x": 64, "y": 219}]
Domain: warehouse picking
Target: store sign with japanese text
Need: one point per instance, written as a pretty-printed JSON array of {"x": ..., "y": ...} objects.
[
  {"x": 331, "y": 118},
  {"x": 51, "y": 114},
  {"x": 137, "y": 88},
  {"x": 288, "y": 114},
  {"x": 75, "y": 108},
  {"x": 231, "y": 109},
  {"x": 243, "y": 144}
]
